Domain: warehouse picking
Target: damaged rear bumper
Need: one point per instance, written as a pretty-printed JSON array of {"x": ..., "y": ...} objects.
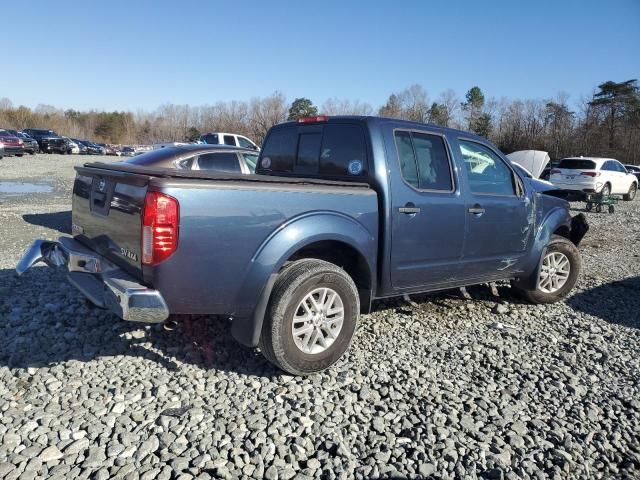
[{"x": 102, "y": 282}]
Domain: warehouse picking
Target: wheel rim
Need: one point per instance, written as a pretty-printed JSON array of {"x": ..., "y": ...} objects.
[
  {"x": 605, "y": 190},
  {"x": 632, "y": 192},
  {"x": 317, "y": 321},
  {"x": 554, "y": 272}
]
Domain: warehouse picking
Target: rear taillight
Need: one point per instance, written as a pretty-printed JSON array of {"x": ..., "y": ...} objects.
[
  {"x": 160, "y": 219},
  {"x": 555, "y": 170},
  {"x": 590, "y": 174}
]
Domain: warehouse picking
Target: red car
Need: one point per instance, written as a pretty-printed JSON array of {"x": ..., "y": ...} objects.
[{"x": 12, "y": 145}]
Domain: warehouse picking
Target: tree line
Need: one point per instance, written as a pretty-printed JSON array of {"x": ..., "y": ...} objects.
[{"x": 606, "y": 123}]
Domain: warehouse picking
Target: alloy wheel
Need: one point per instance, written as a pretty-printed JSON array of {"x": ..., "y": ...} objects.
[
  {"x": 554, "y": 272},
  {"x": 318, "y": 320}
]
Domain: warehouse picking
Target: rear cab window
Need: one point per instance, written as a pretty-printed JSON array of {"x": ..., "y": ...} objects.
[{"x": 328, "y": 150}]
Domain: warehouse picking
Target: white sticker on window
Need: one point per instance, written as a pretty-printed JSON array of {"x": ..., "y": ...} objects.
[{"x": 266, "y": 162}]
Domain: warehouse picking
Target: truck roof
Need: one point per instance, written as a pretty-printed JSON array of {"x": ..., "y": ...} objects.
[{"x": 371, "y": 119}]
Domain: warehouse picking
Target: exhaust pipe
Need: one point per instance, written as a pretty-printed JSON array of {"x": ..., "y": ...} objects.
[{"x": 170, "y": 325}]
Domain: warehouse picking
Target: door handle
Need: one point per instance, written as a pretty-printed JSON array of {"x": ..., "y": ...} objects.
[
  {"x": 409, "y": 209},
  {"x": 476, "y": 210}
]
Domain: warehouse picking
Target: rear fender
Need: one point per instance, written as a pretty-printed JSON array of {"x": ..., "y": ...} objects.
[{"x": 278, "y": 248}]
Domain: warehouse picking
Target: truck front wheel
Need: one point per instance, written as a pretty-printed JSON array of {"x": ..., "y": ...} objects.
[
  {"x": 311, "y": 318},
  {"x": 558, "y": 272}
]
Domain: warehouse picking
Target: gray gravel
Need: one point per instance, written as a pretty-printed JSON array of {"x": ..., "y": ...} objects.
[{"x": 443, "y": 388}]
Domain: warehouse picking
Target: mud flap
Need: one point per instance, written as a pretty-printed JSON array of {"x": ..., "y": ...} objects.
[{"x": 579, "y": 228}]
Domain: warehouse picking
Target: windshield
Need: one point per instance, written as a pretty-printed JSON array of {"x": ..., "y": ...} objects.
[{"x": 577, "y": 164}]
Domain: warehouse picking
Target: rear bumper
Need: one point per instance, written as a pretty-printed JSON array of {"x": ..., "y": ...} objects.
[
  {"x": 102, "y": 282},
  {"x": 11, "y": 150}
]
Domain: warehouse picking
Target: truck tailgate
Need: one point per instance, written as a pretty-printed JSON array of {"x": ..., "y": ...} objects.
[{"x": 107, "y": 207}]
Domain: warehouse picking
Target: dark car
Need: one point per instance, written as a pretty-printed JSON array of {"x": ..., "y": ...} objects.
[
  {"x": 200, "y": 157},
  {"x": 12, "y": 145},
  {"x": 30, "y": 144},
  {"x": 92, "y": 148},
  {"x": 635, "y": 169},
  {"x": 48, "y": 140}
]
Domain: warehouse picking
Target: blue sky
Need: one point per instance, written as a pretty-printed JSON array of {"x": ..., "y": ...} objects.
[{"x": 128, "y": 55}]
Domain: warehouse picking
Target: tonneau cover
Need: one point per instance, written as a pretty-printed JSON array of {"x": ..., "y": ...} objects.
[{"x": 218, "y": 176}]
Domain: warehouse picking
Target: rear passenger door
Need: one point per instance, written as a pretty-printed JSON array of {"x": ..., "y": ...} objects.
[
  {"x": 500, "y": 225},
  {"x": 427, "y": 210}
]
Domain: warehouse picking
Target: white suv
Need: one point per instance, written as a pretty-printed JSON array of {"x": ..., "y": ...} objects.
[
  {"x": 591, "y": 174},
  {"x": 232, "y": 139}
]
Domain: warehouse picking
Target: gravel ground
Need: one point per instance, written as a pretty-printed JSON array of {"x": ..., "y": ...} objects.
[{"x": 444, "y": 388}]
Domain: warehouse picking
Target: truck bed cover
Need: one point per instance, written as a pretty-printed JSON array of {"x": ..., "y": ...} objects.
[{"x": 217, "y": 176}]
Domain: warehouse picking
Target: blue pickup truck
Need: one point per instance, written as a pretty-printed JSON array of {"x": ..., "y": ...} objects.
[{"x": 341, "y": 211}]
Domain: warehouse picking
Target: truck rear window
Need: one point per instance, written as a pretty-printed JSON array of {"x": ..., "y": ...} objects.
[
  {"x": 577, "y": 164},
  {"x": 331, "y": 150}
]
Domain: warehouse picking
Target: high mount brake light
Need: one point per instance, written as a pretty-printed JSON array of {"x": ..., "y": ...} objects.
[
  {"x": 316, "y": 119},
  {"x": 160, "y": 219}
]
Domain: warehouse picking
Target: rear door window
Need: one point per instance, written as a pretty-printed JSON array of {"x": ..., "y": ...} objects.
[
  {"x": 424, "y": 162},
  {"x": 407, "y": 158},
  {"x": 229, "y": 140},
  {"x": 222, "y": 162}
]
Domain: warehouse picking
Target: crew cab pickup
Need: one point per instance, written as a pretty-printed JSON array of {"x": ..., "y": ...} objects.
[{"x": 341, "y": 211}]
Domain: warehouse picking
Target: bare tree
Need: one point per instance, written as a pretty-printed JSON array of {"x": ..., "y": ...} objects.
[{"x": 336, "y": 106}]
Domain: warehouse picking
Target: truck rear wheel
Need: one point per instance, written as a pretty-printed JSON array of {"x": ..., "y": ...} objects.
[
  {"x": 311, "y": 318},
  {"x": 559, "y": 270}
]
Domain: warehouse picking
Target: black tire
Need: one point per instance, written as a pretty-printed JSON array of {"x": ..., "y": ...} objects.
[
  {"x": 632, "y": 193},
  {"x": 293, "y": 284},
  {"x": 589, "y": 206},
  {"x": 559, "y": 244},
  {"x": 606, "y": 190},
  {"x": 598, "y": 208},
  {"x": 611, "y": 209},
  {"x": 19, "y": 154}
]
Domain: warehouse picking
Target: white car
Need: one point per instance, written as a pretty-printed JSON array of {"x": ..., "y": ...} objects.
[
  {"x": 73, "y": 146},
  {"x": 221, "y": 138},
  {"x": 591, "y": 174}
]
